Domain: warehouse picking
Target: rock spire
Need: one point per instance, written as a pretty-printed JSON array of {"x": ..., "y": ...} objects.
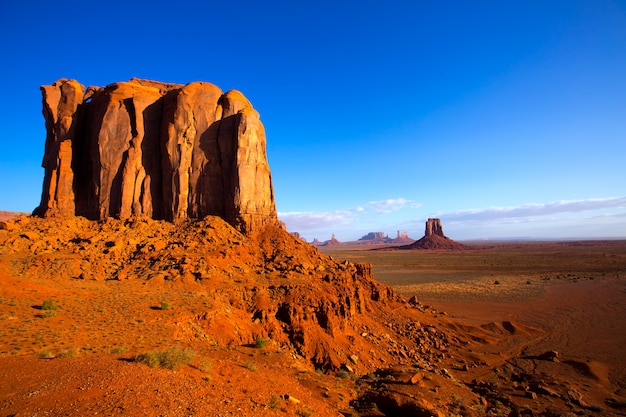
[{"x": 433, "y": 227}]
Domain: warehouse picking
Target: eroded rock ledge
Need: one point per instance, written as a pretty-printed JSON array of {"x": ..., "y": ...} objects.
[{"x": 163, "y": 151}]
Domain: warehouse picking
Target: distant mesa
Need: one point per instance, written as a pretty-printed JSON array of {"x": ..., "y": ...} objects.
[
  {"x": 434, "y": 238},
  {"x": 157, "y": 150},
  {"x": 374, "y": 236},
  {"x": 371, "y": 238}
]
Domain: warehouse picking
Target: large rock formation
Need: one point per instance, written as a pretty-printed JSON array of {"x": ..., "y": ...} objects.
[
  {"x": 433, "y": 238},
  {"x": 146, "y": 148},
  {"x": 433, "y": 227}
]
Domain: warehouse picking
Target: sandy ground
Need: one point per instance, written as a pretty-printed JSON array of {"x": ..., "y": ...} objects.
[
  {"x": 524, "y": 330},
  {"x": 585, "y": 321}
]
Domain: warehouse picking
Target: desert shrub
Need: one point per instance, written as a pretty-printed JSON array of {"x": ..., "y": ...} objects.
[
  {"x": 304, "y": 412},
  {"x": 45, "y": 354},
  {"x": 48, "y": 313},
  {"x": 49, "y": 305},
  {"x": 171, "y": 358},
  {"x": 205, "y": 365},
  {"x": 69, "y": 353},
  {"x": 251, "y": 366},
  {"x": 342, "y": 374},
  {"x": 260, "y": 342},
  {"x": 274, "y": 402},
  {"x": 165, "y": 306},
  {"x": 118, "y": 350}
]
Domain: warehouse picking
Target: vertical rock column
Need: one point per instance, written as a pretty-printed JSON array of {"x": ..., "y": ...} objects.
[
  {"x": 434, "y": 227},
  {"x": 192, "y": 170},
  {"x": 248, "y": 180},
  {"x": 60, "y": 104}
]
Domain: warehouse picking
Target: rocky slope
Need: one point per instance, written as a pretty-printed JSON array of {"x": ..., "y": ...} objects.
[
  {"x": 146, "y": 148},
  {"x": 335, "y": 337}
]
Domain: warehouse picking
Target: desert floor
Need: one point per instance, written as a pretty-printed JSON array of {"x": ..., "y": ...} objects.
[
  {"x": 574, "y": 292},
  {"x": 535, "y": 317}
]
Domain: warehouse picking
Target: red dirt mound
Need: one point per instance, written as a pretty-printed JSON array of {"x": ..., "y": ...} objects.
[{"x": 431, "y": 242}]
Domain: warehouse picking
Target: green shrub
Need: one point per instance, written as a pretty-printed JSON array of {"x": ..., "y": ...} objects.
[
  {"x": 260, "y": 342},
  {"x": 45, "y": 354},
  {"x": 171, "y": 358},
  {"x": 49, "y": 305},
  {"x": 275, "y": 402},
  {"x": 48, "y": 313},
  {"x": 342, "y": 374},
  {"x": 69, "y": 353},
  {"x": 118, "y": 350},
  {"x": 165, "y": 306},
  {"x": 251, "y": 366}
]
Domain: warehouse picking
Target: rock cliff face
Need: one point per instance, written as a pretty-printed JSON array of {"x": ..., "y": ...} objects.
[
  {"x": 433, "y": 227},
  {"x": 164, "y": 151}
]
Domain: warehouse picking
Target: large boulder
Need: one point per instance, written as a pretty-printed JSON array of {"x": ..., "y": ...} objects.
[{"x": 146, "y": 148}]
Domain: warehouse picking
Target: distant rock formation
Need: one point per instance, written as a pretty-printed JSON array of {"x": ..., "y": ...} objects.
[
  {"x": 433, "y": 228},
  {"x": 403, "y": 237},
  {"x": 332, "y": 242},
  {"x": 433, "y": 238},
  {"x": 377, "y": 236},
  {"x": 164, "y": 151}
]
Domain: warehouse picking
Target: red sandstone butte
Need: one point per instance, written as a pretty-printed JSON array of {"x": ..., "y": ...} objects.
[{"x": 164, "y": 151}]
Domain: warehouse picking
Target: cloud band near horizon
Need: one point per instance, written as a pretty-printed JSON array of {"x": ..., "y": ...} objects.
[{"x": 308, "y": 220}]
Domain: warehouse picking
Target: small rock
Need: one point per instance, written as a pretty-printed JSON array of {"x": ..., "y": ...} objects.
[
  {"x": 550, "y": 355},
  {"x": 416, "y": 379},
  {"x": 291, "y": 399},
  {"x": 531, "y": 395}
]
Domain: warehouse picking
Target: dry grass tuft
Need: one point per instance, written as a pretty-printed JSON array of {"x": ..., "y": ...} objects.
[{"x": 171, "y": 358}]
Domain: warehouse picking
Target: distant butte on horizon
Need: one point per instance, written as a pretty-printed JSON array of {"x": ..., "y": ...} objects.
[{"x": 433, "y": 238}]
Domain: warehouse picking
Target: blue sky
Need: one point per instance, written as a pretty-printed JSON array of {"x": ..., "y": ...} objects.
[{"x": 504, "y": 119}]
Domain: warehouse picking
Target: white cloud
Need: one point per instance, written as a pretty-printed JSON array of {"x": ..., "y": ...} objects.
[
  {"x": 308, "y": 220},
  {"x": 391, "y": 205},
  {"x": 534, "y": 209}
]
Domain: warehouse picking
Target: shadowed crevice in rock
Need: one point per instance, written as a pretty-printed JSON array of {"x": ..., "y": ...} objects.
[{"x": 146, "y": 148}]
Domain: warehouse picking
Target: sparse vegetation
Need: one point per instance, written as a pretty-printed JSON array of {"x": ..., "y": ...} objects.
[
  {"x": 260, "y": 342},
  {"x": 49, "y": 309},
  {"x": 251, "y": 366},
  {"x": 68, "y": 353},
  {"x": 118, "y": 350},
  {"x": 342, "y": 374},
  {"x": 205, "y": 365},
  {"x": 165, "y": 305},
  {"x": 45, "y": 354},
  {"x": 304, "y": 412},
  {"x": 171, "y": 358},
  {"x": 274, "y": 402}
]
